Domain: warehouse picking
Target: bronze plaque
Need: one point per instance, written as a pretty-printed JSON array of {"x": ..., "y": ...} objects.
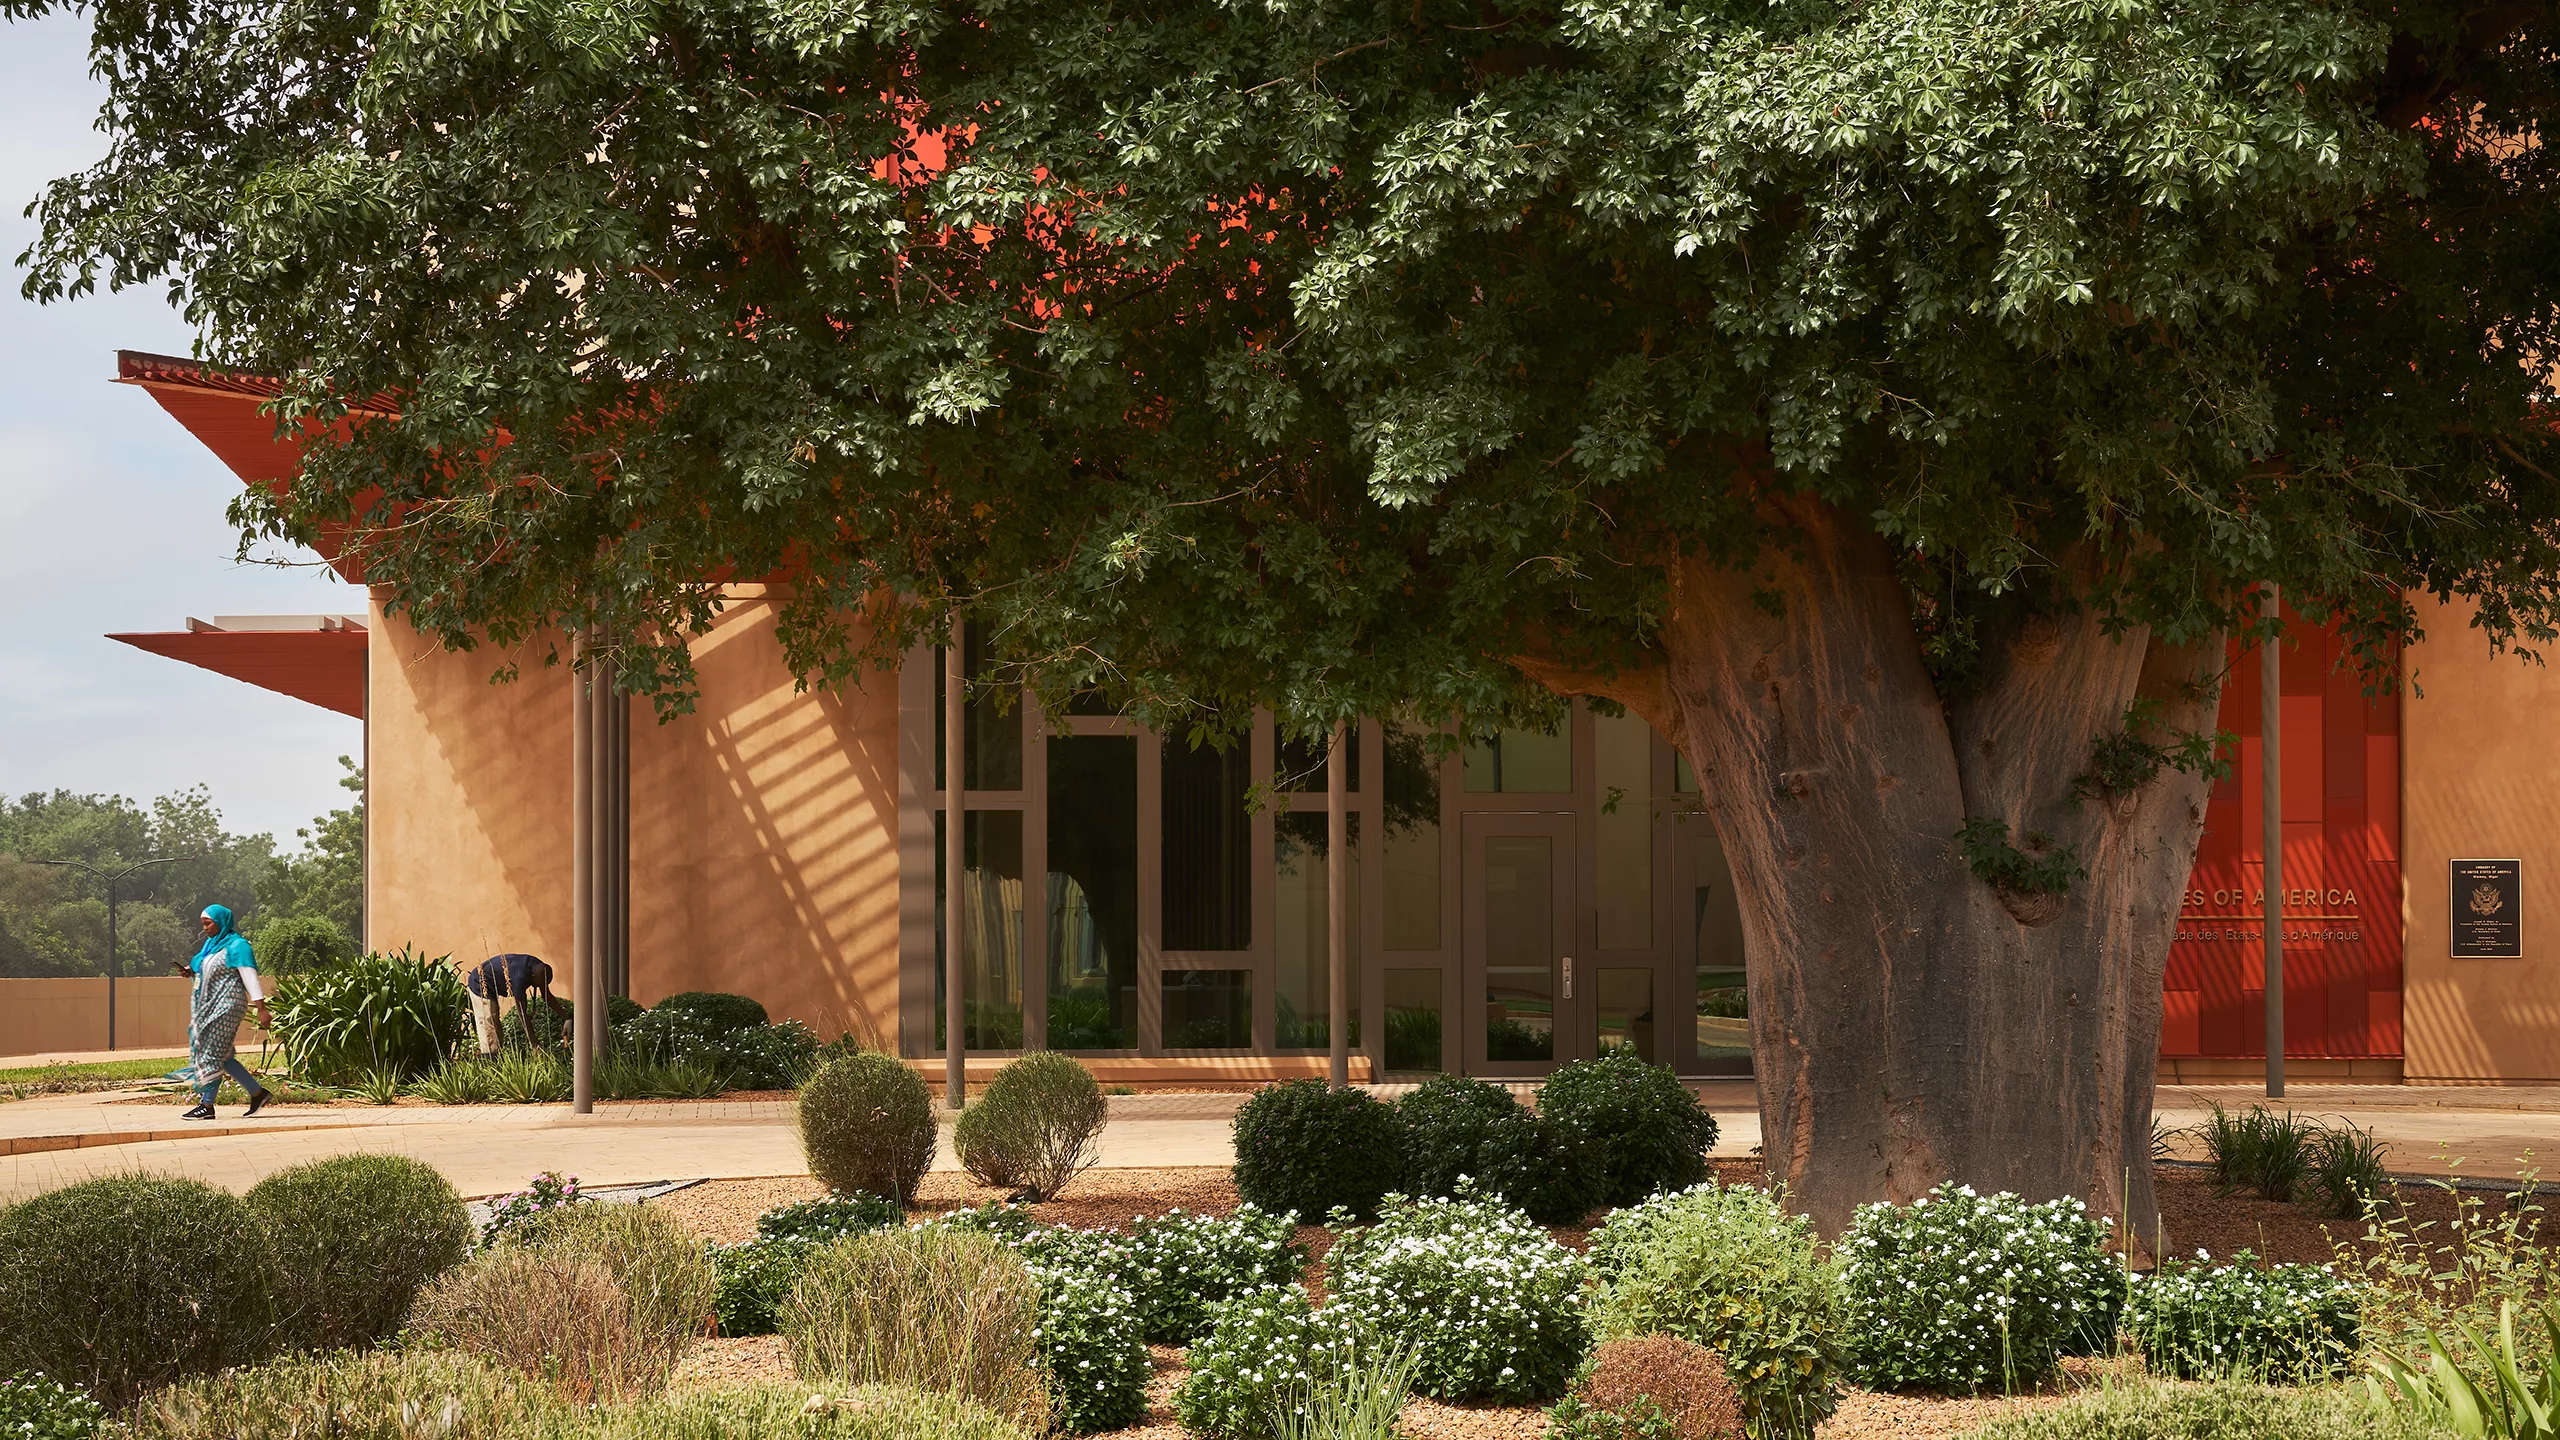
[{"x": 2488, "y": 909}]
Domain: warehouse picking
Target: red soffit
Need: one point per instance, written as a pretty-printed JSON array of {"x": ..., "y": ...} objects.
[{"x": 325, "y": 667}]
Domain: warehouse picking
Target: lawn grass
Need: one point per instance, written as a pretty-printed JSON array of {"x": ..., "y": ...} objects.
[{"x": 96, "y": 1070}]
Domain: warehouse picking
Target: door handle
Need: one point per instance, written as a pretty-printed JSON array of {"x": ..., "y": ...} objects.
[{"x": 1568, "y": 977}]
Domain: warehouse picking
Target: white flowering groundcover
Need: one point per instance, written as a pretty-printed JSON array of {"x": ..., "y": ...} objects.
[{"x": 1960, "y": 1292}]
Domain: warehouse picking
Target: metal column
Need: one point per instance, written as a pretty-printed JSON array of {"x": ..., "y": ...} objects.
[
  {"x": 955, "y": 817},
  {"x": 2271, "y": 801},
  {"x": 1337, "y": 902},
  {"x": 584, "y": 992}
]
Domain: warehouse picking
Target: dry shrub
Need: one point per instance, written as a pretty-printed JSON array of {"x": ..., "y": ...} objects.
[
  {"x": 384, "y": 1395},
  {"x": 939, "y": 1309},
  {"x": 559, "y": 1318},
  {"x": 1683, "y": 1379},
  {"x": 667, "y": 1275}
]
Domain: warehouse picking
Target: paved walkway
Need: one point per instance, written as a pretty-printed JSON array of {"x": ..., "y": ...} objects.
[{"x": 486, "y": 1149}]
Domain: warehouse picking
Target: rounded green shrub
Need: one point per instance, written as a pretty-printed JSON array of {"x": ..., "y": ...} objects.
[
  {"x": 866, "y": 1123},
  {"x": 1729, "y": 1268},
  {"x": 719, "y": 1011},
  {"x": 356, "y": 1238},
  {"x": 1456, "y": 1128},
  {"x": 1959, "y": 1292},
  {"x": 939, "y": 1308},
  {"x": 1642, "y": 1131},
  {"x": 293, "y": 945},
  {"x": 1305, "y": 1149},
  {"x": 121, "y": 1284},
  {"x": 1037, "y": 1127},
  {"x": 37, "y": 1407}
]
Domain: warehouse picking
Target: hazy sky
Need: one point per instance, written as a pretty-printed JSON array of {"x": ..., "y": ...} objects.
[{"x": 112, "y": 517}]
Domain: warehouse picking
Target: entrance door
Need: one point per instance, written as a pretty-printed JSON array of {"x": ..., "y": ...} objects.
[{"x": 1519, "y": 1004}]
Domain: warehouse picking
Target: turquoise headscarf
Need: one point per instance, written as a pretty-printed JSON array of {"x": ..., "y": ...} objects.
[{"x": 224, "y": 941}]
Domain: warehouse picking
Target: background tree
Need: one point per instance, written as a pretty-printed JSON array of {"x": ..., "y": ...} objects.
[
  {"x": 1894, "y": 402},
  {"x": 54, "y": 921}
]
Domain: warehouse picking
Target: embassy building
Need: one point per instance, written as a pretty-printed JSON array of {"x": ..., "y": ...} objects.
[{"x": 1518, "y": 903}]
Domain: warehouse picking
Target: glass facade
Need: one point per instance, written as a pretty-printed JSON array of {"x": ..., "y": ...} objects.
[
  {"x": 1516, "y": 902},
  {"x": 1302, "y": 999},
  {"x": 1093, "y": 892},
  {"x": 990, "y": 930}
]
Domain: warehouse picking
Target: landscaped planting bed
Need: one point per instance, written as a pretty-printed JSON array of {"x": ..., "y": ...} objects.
[{"x": 1425, "y": 1265}]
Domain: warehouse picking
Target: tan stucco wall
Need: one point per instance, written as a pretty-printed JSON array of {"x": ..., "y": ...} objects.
[
  {"x": 2479, "y": 781},
  {"x": 763, "y": 825}
]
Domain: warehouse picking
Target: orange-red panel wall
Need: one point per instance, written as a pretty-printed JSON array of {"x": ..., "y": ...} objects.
[{"x": 2341, "y": 873}]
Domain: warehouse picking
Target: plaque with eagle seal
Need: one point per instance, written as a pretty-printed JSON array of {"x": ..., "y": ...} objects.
[{"x": 2488, "y": 909}]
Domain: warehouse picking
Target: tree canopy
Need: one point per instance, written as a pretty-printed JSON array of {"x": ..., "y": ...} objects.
[{"x": 1338, "y": 354}]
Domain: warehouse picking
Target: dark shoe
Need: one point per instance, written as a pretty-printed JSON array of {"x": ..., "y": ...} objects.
[
  {"x": 201, "y": 1112},
  {"x": 259, "y": 1101}
]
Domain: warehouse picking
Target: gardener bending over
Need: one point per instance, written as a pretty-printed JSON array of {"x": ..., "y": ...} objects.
[{"x": 508, "y": 977}]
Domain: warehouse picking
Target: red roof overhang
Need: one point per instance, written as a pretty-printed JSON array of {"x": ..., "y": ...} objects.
[
  {"x": 325, "y": 667},
  {"x": 220, "y": 408}
]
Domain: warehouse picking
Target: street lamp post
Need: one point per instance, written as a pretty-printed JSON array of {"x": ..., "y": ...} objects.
[{"x": 112, "y": 880}]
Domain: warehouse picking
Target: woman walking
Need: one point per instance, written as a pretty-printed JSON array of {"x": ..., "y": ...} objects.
[{"x": 226, "y": 986}]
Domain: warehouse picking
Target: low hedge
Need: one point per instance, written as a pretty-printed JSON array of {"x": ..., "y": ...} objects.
[
  {"x": 126, "y": 1283},
  {"x": 1306, "y": 1149},
  {"x": 356, "y": 1237}
]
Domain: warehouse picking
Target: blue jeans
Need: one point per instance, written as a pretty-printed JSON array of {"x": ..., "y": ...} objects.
[{"x": 237, "y": 1071}]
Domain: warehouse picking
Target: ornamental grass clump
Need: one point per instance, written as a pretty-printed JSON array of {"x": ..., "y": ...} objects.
[
  {"x": 1491, "y": 1304},
  {"x": 1457, "y": 1128},
  {"x": 1037, "y": 1127},
  {"x": 935, "y": 1307},
  {"x": 2230, "y": 1410},
  {"x": 1637, "y": 1128},
  {"x": 356, "y": 1237},
  {"x": 1305, "y": 1149},
  {"x": 1729, "y": 1268},
  {"x": 866, "y": 1124},
  {"x": 755, "y": 1277},
  {"x": 666, "y": 1274},
  {"x": 2289, "y": 1324},
  {"x": 804, "y": 1412},
  {"x": 1959, "y": 1292},
  {"x": 409, "y": 1394},
  {"x": 558, "y": 1320},
  {"x": 123, "y": 1284},
  {"x": 597, "y": 1301}
]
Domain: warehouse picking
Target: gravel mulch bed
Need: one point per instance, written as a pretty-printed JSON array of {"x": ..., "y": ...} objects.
[{"x": 742, "y": 1360}]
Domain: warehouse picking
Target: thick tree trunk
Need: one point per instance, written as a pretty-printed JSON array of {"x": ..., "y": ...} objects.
[{"x": 1911, "y": 1023}]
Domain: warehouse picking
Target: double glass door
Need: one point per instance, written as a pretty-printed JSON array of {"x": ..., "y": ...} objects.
[{"x": 1523, "y": 1012}]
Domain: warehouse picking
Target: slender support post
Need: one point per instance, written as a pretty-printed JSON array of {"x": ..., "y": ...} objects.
[
  {"x": 114, "y": 964},
  {"x": 582, "y": 868},
  {"x": 617, "y": 928},
  {"x": 2271, "y": 786},
  {"x": 955, "y": 820},
  {"x": 1337, "y": 902}
]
